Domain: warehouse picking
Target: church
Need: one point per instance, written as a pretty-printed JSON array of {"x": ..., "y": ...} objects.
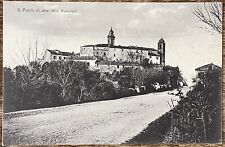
[
  {"x": 109, "y": 57},
  {"x": 128, "y": 54}
]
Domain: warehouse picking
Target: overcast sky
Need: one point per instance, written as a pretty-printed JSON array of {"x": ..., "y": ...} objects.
[{"x": 74, "y": 24}]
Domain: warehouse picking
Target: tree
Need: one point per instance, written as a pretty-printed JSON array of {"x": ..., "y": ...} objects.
[
  {"x": 65, "y": 74},
  {"x": 9, "y": 90},
  {"x": 197, "y": 117},
  {"x": 211, "y": 15},
  {"x": 145, "y": 63}
]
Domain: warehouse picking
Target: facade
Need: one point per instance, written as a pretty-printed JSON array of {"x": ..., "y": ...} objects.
[
  {"x": 56, "y": 55},
  {"x": 119, "y": 53},
  {"x": 201, "y": 71},
  {"x": 111, "y": 66}
]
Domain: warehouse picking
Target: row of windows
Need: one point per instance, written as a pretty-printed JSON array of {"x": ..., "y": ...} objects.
[
  {"x": 60, "y": 57},
  {"x": 122, "y": 50},
  {"x": 103, "y": 53},
  {"x": 118, "y": 66},
  {"x": 141, "y": 56}
]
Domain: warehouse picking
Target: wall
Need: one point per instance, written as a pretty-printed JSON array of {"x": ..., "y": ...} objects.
[
  {"x": 123, "y": 54},
  {"x": 86, "y": 51},
  {"x": 154, "y": 59},
  {"x": 91, "y": 62},
  {"x": 101, "y": 52},
  {"x": 47, "y": 56}
]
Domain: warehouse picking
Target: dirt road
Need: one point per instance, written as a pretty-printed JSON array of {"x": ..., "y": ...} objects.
[{"x": 104, "y": 122}]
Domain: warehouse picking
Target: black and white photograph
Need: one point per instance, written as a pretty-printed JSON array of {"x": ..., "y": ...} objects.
[{"x": 87, "y": 73}]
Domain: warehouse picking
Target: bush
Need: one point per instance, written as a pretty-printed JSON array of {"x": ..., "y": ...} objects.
[{"x": 197, "y": 117}]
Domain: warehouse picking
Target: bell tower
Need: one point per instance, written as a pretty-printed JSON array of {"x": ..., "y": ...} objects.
[
  {"x": 161, "y": 50},
  {"x": 111, "y": 38}
]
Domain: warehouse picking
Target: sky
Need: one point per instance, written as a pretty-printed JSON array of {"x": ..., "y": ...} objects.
[{"x": 67, "y": 26}]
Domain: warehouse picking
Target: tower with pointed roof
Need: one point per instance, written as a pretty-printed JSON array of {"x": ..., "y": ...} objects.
[
  {"x": 161, "y": 50},
  {"x": 111, "y": 38}
]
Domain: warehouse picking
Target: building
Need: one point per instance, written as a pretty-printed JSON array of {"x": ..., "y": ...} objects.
[
  {"x": 56, "y": 55},
  {"x": 109, "y": 57},
  {"x": 112, "y": 66},
  {"x": 201, "y": 71},
  {"x": 119, "y": 53}
]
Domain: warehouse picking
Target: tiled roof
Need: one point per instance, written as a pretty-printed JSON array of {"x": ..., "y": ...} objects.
[
  {"x": 122, "y": 47},
  {"x": 134, "y": 47},
  {"x": 57, "y": 52},
  {"x": 207, "y": 67},
  {"x": 88, "y": 45}
]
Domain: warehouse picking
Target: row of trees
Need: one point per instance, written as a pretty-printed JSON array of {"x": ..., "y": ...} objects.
[
  {"x": 148, "y": 76},
  {"x": 62, "y": 83},
  {"x": 197, "y": 117},
  {"x": 53, "y": 84}
]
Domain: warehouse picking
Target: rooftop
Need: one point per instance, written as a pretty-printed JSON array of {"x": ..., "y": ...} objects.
[
  {"x": 58, "y": 52},
  {"x": 207, "y": 67},
  {"x": 122, "y": 47}
]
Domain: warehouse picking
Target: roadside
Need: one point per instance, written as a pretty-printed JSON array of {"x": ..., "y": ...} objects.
[
  {"x": 156, "y": 131},
  {"x": 102, "y": 122}
]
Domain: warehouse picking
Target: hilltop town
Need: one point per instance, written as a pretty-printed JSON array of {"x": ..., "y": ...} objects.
[{"x": 110, "y": 57}]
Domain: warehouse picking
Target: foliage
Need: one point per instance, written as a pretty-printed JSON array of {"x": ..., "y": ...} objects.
[
  {"x": 197, "y": 117},
  {"x": 53, "y": 84},
  {"x": 69, "y": 82},
  {"x": 136, "y": 77}
]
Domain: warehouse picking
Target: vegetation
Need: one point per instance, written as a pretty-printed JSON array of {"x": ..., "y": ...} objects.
[
  {"x": 62, "y": 83},
  {"x": 196, "y": 118},
  {"x": 53, "y": 84}
]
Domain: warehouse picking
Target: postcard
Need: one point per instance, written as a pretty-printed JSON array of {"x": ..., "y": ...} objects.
[{"x": 112, "y": 73}]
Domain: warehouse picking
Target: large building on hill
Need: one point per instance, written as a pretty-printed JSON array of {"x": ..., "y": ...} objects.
[
  {"x": 110, "y": 57},
  {"x": 119, "y": 53}
]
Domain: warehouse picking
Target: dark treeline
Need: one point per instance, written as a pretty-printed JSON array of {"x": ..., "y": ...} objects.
[
  {"x": 197, "y": 117},
  {"x": 62, "y": 83}
]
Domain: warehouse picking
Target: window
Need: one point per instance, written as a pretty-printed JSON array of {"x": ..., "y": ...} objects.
[
  {"x": 141, "y": 51},
  {"x": 114, "y": 55},
  {"x": 157, "y": 58},
  {"x": 97, "y": 53},
  {"x": 54, "y": 57},
  {"x": 136, "y": 51},
  {"x": 64, "y": 58},
  {"x": 104, "y": 54},
  {"x": 118, "y": 66},
  {"x": 60, "y": 58},
  {"x": 201, "y": 74},
  {"x": 123, "y": 66},
  {"x": 122, "y": 50}
]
